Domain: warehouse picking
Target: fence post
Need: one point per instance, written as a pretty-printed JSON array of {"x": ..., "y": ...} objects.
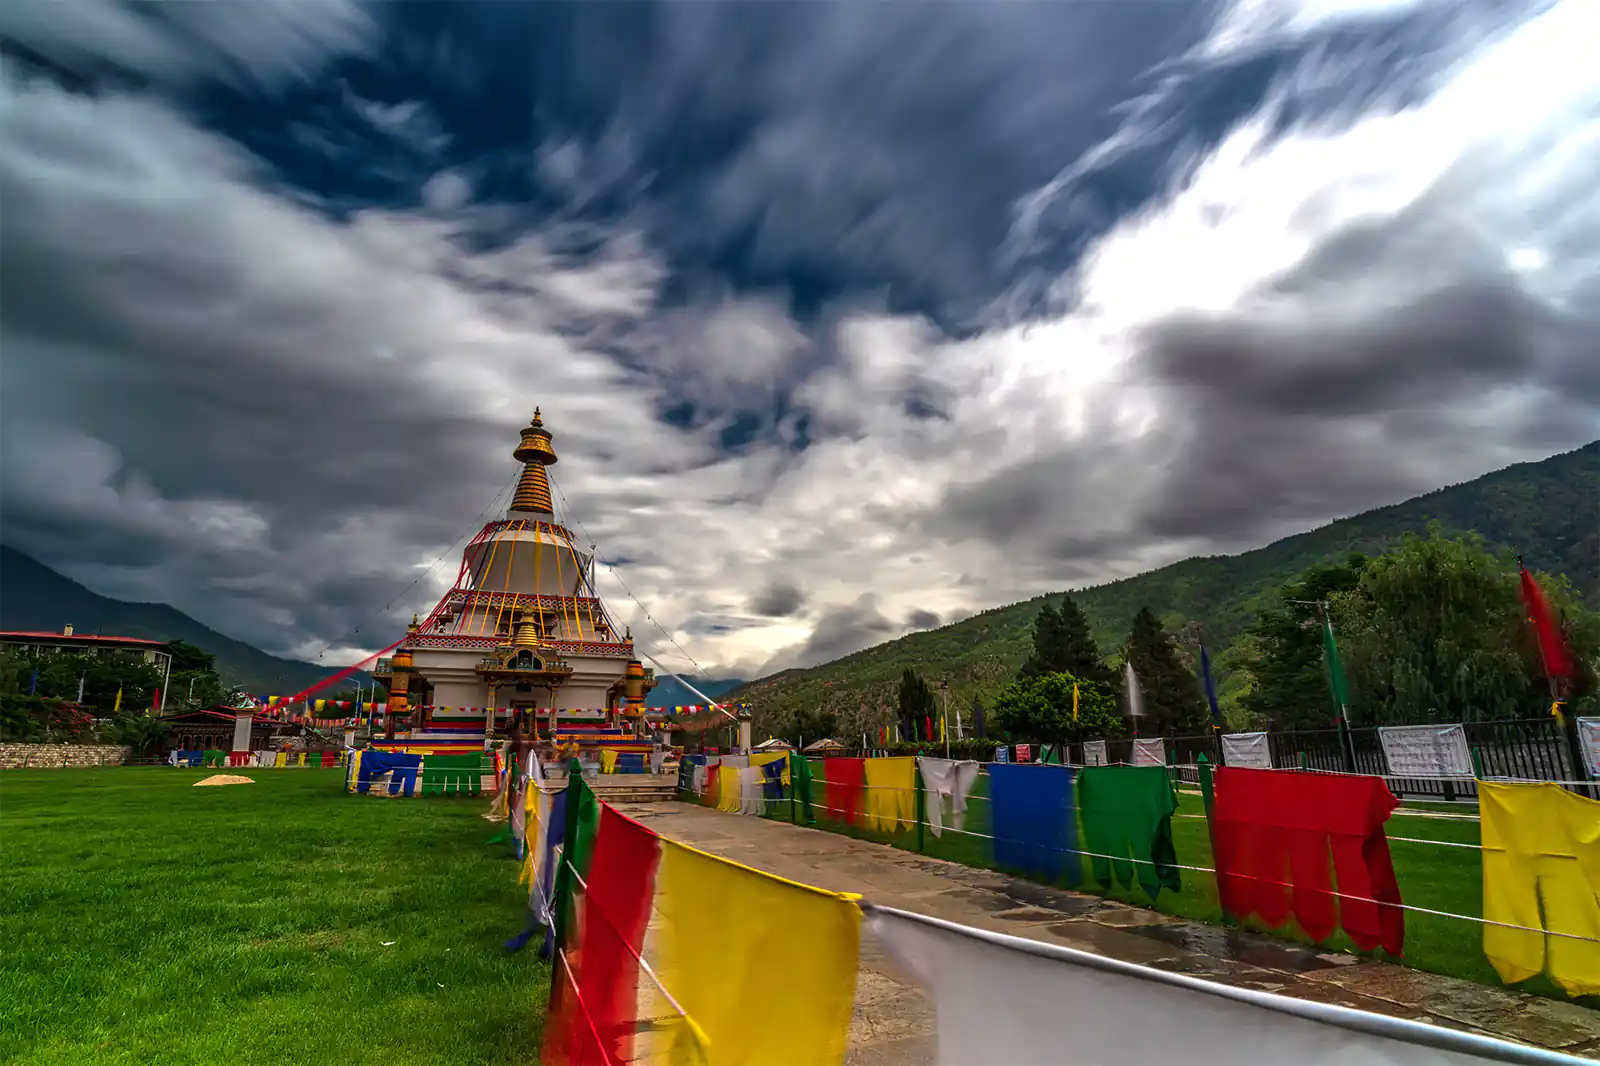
[
  {"x": 922, "y": 806},
  {"x": 1347, "y": 747},
  {"x": 1569, "y": 726},
  {"x": 1207, "y": 796}
]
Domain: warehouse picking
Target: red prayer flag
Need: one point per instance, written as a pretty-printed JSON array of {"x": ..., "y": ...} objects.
[
  {"x": 1552, "y": 647},
  {"x": 1273, "y": 832},
  {"x": 603, "y": 1000},
  {"x": 846, "y": 781}
]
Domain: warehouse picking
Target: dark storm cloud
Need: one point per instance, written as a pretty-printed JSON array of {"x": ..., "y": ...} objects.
[
  {"x": 920, "y": 619},
  {"x": 834, "y": 148},
  {"x": 779, "y": 599},
  {"x": 839, "y": 631}
]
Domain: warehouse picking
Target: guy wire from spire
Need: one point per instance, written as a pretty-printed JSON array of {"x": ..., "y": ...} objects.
[
  {"x": 566, "y": 509},
  {"x": 504, "y": 489}
]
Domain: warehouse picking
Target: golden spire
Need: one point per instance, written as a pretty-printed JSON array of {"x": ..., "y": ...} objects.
[{"x": 534, "y": 452}]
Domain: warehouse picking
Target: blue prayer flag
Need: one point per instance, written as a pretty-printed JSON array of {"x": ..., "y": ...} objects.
[
  {"x": 1034, "y": 821},
  {"x": 1211, "y": 688}
]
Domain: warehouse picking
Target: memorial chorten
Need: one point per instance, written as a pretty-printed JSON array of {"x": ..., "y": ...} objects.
[{"x": 522, "y": 631}]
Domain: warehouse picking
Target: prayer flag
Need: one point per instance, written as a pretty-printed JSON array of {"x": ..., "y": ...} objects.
[
  {"x": 1336, "y": 683},
  {"x": 1211, "y": 687},
  {"x": 1035, "y": 827},
  {"x": 1127, "y": 814},
  {"x": 944, "y": 779},
  {"x": 1074, "y": 703},
  {"x": 33, "y": 682},
  {"x": 1272, "y": 832},
  {"x": 891, "y": 793},
  {"x": 116, "y": 708},
  {"x": 1003, "y": 999},
  {"x": 1541, "y": 869},
  {"x": 843, "y": 779},
  {"x": 583, "y": 822},
  {"x": 800, "y": 773},
  {"x": 600, "y": 1004},
  {"x": 727, "y": 932},
  {"x": 1552, "y": 646}
]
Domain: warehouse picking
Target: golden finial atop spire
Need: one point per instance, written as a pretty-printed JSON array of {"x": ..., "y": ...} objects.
[
  {"x": 535, "y": 452},
  {"x": 413, "y": 626}
]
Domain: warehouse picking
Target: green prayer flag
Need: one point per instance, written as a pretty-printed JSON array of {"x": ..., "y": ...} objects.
[
  {"x": 583, "y": 825},
  {"x": 1127, "y": 814},
  {"x": 1341, "y": 695},
  {"x": 800, "y": 782}
]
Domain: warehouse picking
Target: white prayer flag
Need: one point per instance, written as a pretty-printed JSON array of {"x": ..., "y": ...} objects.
[
  {"x": 1003, "y": 999},
  {"x": 1426, "y": 750},
  {"x": 1589, "y": 740},
  {"x": 1094, "y": 753},
  {"x": 1246, "y": 750},
  {"x": 1149, "y": 751},
  {"x": 947, "y": 779}
]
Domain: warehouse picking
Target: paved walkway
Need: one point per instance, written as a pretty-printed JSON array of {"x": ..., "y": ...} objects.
[{"x": 894, "y": 1024}]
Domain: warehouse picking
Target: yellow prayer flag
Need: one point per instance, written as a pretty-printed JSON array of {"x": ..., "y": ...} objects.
[
  {"x": 1074, "y": 701},
  {"x": 891, "y": 793},
  {"x": 116, "y": 708},
  {"x": 1541, "y": 861},
  {"x": 726, "y": 930},
  {"x": 728, "y": 789}
]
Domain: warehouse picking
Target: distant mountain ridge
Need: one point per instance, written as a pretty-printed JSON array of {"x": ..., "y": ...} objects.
[
  {"x": 670, "y": 692},
  {"x": 35, "y": 597},
  {"x": 1549, "y": 511}
]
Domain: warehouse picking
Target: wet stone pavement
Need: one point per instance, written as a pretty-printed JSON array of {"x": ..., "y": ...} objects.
[{"x": 894, "y": 1024}]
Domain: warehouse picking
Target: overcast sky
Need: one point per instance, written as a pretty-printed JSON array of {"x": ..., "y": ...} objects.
[{"x": 848, "y": 319}]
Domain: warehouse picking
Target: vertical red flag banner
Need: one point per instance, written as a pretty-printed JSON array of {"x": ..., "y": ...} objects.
[
  {"x": 601, "y": 1001},
  {"x": 846, "y": 782},
  {"x": 1552, "y": 647},
  {"x": 1274, "y": 832}
]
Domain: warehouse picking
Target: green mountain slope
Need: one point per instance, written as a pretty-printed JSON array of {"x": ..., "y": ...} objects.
[
  {"x": 1546, "y": 510},
  {"x": 35, "y": 597}
]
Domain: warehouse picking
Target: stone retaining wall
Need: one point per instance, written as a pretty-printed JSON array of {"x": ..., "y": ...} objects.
[{"x": 55, "y": 756}]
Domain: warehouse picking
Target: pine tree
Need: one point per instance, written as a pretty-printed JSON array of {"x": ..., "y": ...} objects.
[
  {"x": 916, "y": 704},
  {"x": 1174, "y": 702},
  {"x": 1062, "y": 643}
]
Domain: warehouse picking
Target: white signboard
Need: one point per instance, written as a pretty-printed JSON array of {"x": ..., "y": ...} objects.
[
  {"x": 1589, "y": 741},
  {"x": 1426, "y": 750},
  {"x": 1149, "y": 751},
  {"x": 1094, "y": 753},
  {"x": 1246, "y": 749}
]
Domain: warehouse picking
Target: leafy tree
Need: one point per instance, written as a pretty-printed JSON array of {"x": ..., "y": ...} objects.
[
  {"x": 1173, "y": 702},
  {"x": 187, "y": 658},
  {"x": 144, "y": 734},
  {"x": 1062, "y": 643},
  {"x": 101, "y": 676},
  {"x": 1040, "y": 708},
  {"x": 1282, "y": 652},
  {"x": 811, "y": 724},
  {"x": 917, "y": 704},
  {"x": 1435, "y": 631}
]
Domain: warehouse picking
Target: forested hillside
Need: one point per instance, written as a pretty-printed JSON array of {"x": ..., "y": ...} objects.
[{"x": 1549, "y": 511}]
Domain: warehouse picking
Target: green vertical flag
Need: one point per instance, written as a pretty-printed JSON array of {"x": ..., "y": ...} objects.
[
  {"x": 1341, "y": 695},
  {"x": 1127, "y": 825},
  {"x": 800, "y": 782},
  {"x": 583, "y": 825}
]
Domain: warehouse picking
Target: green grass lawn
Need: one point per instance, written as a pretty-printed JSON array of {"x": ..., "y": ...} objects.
[
  {"x": 144, "y": 920},
  {"x": 1439, "y": 878}
]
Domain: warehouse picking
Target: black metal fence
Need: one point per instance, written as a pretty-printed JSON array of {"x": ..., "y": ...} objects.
[{"x": 1536, "y": 749}]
